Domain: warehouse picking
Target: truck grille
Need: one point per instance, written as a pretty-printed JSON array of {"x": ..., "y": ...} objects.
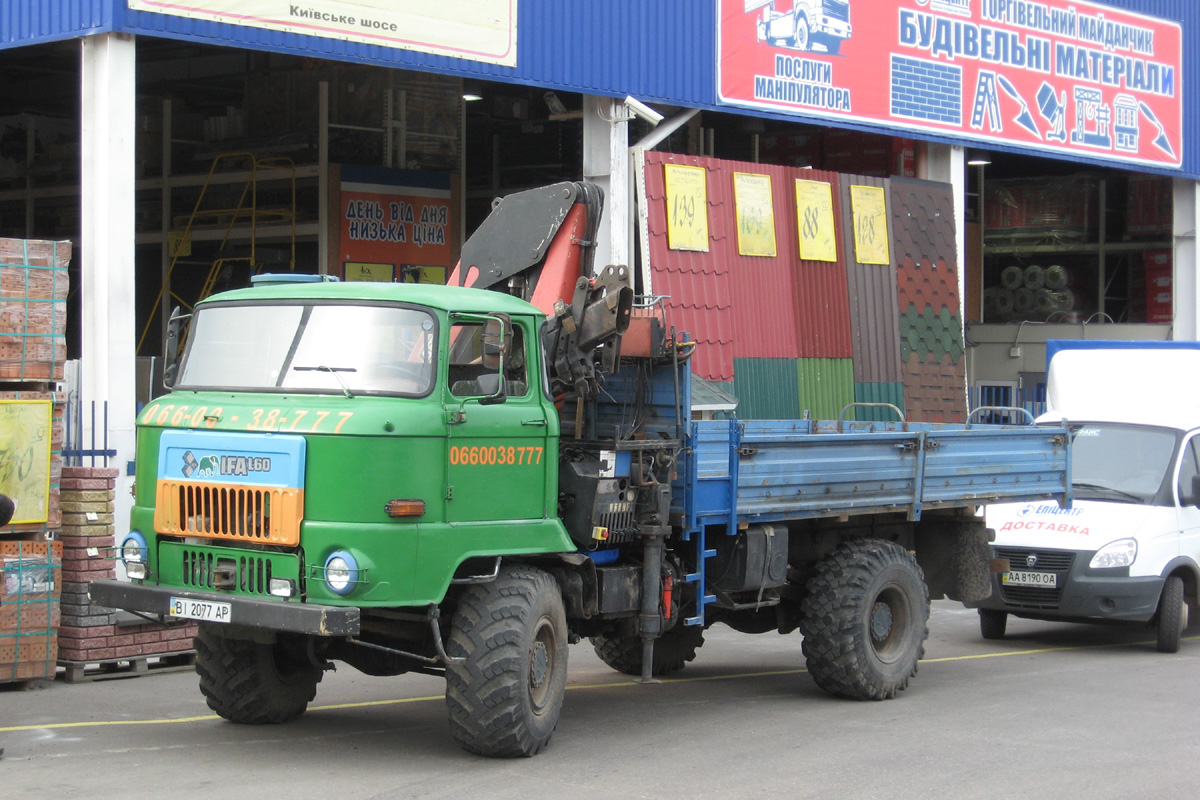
[
  {"x": 258, "y": 514},
  {"x": 250, "y": 574},
  {"x": 1058, "y": 561}
]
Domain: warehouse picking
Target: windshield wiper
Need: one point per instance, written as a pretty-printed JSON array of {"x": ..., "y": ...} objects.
[
  {"x": 332, "y": 371},
  {"x": 1111, "y": 489}
]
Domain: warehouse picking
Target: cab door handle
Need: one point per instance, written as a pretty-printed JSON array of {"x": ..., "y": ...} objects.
[{"x": 538, "y": 423}]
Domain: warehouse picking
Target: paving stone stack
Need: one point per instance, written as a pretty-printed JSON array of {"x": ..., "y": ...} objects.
[{"x": 92, "y": 634}]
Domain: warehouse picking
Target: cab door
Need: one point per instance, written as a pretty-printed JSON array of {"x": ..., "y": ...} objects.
[
  {"x": 498, "y": 453},
  {"x": 1188, "y": 513}
]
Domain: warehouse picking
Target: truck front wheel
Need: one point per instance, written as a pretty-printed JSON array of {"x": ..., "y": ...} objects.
[
  {"x": 992, "y": 623},
  {"x": 620, "y": 647},
  {"x": 252, "y": 683},
  {"x": 505, "y": 696},
  {"x": 865, "y": 620},
  {"x": 1172, "y": 615}
]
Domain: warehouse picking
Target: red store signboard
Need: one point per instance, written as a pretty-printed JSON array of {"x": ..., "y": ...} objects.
[{"x": 1057, "y": 75}]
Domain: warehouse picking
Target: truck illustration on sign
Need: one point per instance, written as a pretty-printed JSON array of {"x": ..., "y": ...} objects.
[{"x": 805, "y": 23}]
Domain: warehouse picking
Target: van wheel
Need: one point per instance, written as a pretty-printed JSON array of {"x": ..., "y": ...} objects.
[
  {"x": 1172, "y": 615},
  {"x": 992, "y": 623}
]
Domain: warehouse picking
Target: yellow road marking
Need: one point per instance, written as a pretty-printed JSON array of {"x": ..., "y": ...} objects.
[{"x": 577, "y": 687}]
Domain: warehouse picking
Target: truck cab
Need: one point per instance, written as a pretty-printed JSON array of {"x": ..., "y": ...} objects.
[{"x": 413, "y": 400}]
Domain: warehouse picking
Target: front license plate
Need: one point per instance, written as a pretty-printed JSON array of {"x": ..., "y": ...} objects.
[
  {"x": 1043, "y": 580},
  {"x": 200, "y": 609}
]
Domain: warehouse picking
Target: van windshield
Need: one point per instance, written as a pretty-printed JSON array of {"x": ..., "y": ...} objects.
[
  {"x": 1125, "y": 463},
  {"x": 342, "y": 348}
]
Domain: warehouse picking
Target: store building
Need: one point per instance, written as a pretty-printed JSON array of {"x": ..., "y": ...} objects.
[{"x": 178, "y": 144}]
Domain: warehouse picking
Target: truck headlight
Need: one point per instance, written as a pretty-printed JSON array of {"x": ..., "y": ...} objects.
[
  {"x": 1120, "y": 553},
  {"x": 133, "y": 548},
  {"x": 341, "y": 572}
]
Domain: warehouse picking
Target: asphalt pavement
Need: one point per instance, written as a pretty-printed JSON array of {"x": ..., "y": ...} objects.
[{"x": 1053, "y": 710}]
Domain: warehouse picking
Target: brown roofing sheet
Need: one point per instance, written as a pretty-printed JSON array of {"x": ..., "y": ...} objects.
[{"x": 872, "y": 301}]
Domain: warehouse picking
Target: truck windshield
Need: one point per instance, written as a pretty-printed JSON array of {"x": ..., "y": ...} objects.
[
  {"x": 1121, "y": 462},
  {"x": 309, "y": 347}
]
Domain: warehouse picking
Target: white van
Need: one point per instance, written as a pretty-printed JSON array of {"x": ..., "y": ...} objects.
[{"x": 1128, "y": 549}]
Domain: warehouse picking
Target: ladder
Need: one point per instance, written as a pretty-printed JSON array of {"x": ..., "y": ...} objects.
[{"x": 243, "y": 217}]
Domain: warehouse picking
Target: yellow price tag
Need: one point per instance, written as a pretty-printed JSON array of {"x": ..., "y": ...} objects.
[
  {"x": 755, "y": 214},
  {"x": 687, "y": 207},
  {"x": 868, "y": 206},
  {"x": 814, "y": 218}
]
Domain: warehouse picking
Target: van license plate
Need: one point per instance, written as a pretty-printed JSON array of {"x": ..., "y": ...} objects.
[
  {"x": 1042, "y": 580},
  {"x": 200, "y": 609}
]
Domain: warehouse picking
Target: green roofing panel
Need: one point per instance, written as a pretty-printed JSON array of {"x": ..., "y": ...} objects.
[
  {"x": 826, "y": 386},
  {"x": 766, "y": 388},
  {"x": 892, "y": 393}
]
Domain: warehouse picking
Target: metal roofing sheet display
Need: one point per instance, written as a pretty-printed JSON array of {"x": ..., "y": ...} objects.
[
  {"x": 925, "y": 255},
  {"x": 823, "y": 313},
  {"x": 890, "y": 393},
  {"x": 697, "y": 285},
  {"x": 826, "y": 387},
  {"x": 766, "y": 388},
  {"x": 764, "y": 310},
  {"x": 872, "y": 297}
]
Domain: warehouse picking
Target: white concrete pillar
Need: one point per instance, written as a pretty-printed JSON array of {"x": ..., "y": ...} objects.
[
  {"x": 606, "y": 163},
  {"x": 1186, "y": 261},
  {"x": 108, "y": 94}
]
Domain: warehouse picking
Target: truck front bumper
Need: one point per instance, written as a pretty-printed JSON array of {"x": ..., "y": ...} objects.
[
  {"x": 1081, "y": 596},
  {"x": 269, "y": 614}
]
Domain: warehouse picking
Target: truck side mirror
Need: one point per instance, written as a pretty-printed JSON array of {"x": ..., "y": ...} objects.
[
  {"x": 171, "y": 351},
  {"x": 497, "y": 333}
]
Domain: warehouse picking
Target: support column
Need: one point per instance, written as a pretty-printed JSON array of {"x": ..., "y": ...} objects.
[
  {"x": 108, "y": 95},
  {"x": 606, "y": 163},
  {"x": 1186, "y": 260}
]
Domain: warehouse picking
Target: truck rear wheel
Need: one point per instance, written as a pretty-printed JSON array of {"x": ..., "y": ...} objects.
[
  {"x": 1172, "y": 615},
  {"x": 505, "y": 698},
  {"x": 252, "y": 683},
  {"x": 864, "y": 620},
  {"x": 621, "y": 648}
]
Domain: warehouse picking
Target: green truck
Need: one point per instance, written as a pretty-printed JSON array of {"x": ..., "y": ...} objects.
[{"x": 462, "y": 480}]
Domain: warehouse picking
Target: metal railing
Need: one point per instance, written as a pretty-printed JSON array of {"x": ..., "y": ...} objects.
[{"x": 88, "y": 441}]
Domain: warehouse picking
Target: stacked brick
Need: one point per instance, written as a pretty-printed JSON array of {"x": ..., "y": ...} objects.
[
  {"x": 33, "y": 309},
  {"x": 33, "y": 317},
  {"x": 92, "y": 634},
  {"x": 30, "y": 577}
]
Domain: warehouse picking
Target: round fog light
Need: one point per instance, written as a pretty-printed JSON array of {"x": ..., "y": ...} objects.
[
  {"x": 133, "y": 548},
  {"x": 341, "y": 572}
]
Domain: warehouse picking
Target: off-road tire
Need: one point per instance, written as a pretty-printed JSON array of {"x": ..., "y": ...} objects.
[
  {"x": 865, "y": 620},
  {"x": 1172, "y": 617},
  {"x": 251, "y": 683},
  {"x": 621, "y": 648},
  {"x": 992, "y": 623},
  {"x": 505, "y": 697}
]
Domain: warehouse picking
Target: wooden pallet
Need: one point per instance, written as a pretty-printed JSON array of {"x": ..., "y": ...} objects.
[{"x": 156, "y": 664}]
